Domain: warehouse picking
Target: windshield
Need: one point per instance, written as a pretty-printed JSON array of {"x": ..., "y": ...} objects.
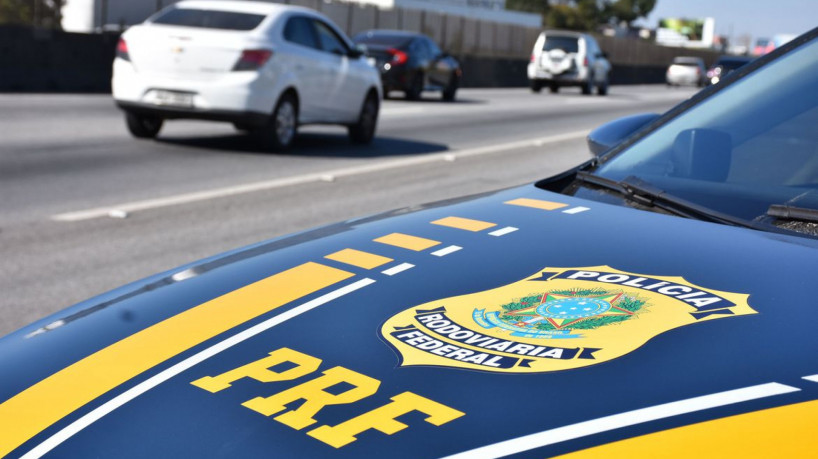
[
  {"x": 750, "y": 145},
  {"x": 567, "y": 44},
  {"x": 209, "y": 19}
]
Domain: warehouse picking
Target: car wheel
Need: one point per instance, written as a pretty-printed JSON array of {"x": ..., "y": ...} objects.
[
  {"x": 588, "y": 86},
  {"x": 602, "y": 89},
  {"x": 536, "y": 86},
  {"x": 554, "y": 88},
  {"x": 450, "y": 93},
  {"x": 363, "y": 131},
  {"x": 415, "y": 87},
  {"x": 143, "y": 127},
  {"x": 282, "y": 127}
]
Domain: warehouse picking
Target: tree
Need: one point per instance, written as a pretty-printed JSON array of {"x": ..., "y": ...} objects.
[
  {"x": 39, "y": 13},
  {"x": 629, "y": 10},
  {"x": 584, "y": 14}
]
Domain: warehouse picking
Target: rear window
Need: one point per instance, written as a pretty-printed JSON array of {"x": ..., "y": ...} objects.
[
  {"x": 209, "y": 19},
  {"x": 567, "y": 44},
  {"x": 377, "y": 39},
  {"x": 686, "y": 61}
]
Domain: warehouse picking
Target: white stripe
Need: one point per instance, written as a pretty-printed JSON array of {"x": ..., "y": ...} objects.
[
  {"x": 377, "y": 166},
  {"x": 813, "y": 378},
  {"x": 503, "y": 231},
  {"x": 446, "y": 251},
  {"x": 575, "y": 210},
  {"x": 616, "y": 421},
  {"x": 398, "y": 269},
  {"x": 125, "y": 397}
]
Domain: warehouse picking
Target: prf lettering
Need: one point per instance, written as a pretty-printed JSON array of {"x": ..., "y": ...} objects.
[{"x": 315, "y": 396}]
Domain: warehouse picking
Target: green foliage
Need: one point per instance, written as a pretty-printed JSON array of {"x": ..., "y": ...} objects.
[
  {"x": 40, "y": 13},
  {"x": 583, "y": 14}
]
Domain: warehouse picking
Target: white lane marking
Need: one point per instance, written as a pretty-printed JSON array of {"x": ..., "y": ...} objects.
[
  {"x": 398, "y": 269},
  {"x": 616, "y": 421},
  {"x": 813, "y": 378},
  {"x": 575, "y": 210},
  {"x": 503, "y": 231},
  {"x": 125, "y": 397},
  {"x": 377, "y": 166},
  {"x": 446, "y": 251}
]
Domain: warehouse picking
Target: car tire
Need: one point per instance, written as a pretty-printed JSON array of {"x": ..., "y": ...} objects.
[
  {"x": 588, "y": 86},
  {"x": 415, "y": 89},
  {"x": 536, "y": 86},
  {"x": 363, "y": 131},
  {"x": 143, "y": 127},
  {"x": 554, "y": 88},
  {"x": 282, "y": 127},
  {"x": 450, "y": 92},
  {"x": 602, "y": 89}
]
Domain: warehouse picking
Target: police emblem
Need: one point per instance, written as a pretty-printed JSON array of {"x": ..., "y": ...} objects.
[{"x": 557, "y": 319}]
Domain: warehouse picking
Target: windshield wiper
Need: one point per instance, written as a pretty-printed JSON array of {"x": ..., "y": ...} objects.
[
  {"x": 785, "y": 212},
  {"x": 645, "y": 194}
]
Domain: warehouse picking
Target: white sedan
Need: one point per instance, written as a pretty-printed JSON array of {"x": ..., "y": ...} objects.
[{"x": 267, "y": 68}]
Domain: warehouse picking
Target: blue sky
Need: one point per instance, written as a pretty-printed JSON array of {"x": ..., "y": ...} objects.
[{"x": 754, "y": 17}]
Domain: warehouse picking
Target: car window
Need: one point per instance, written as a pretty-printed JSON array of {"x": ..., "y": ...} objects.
[
  {"x": 748, "y": 146},
  {"x": 209, "y": 19},
  {"x": 567, "y": 44},
  {"x": 433, "y": 48},
  {"x": 299, "y": 30},
  {"x": 328, "y": 40}
]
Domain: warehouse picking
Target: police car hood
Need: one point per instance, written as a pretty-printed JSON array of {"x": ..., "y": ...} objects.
[{"x": 520, "y": 321}]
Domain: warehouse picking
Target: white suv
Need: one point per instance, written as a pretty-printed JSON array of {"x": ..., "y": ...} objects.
[
  {"x": 264, "y": 67},
  {"x": 563, "y": 58}
]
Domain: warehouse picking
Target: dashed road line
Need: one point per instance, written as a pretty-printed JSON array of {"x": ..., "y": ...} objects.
[
  {"x": 376, "y": 166},
  {"x": 813, "y": 378}
]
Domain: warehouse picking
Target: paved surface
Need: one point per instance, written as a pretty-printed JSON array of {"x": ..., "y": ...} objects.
[{"x": 66, "y": 161}]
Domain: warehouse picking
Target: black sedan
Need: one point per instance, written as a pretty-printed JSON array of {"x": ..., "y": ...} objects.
[
  {"x": 725, "y": 65},
  {"x": 411, "y": 62}
]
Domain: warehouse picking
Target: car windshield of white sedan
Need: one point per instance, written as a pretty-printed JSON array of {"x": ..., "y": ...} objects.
[
  {"x": 752, "y": 145},
  {"x": 209, "y": 19}
]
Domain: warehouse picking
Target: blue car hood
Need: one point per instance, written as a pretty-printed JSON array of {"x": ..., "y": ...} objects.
[{"x": 520, "y": 321}]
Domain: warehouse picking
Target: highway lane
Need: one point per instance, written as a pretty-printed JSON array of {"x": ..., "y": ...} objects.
[{"x": 70, "y": 153}]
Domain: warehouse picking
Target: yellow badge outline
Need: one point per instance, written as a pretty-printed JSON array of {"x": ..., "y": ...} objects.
[{"x": 421, "y": 341}]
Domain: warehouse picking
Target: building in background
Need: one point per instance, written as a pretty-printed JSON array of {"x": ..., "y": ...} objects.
[{"x": 87, "y": 16}]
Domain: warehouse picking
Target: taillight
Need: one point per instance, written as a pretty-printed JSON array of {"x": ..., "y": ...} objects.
[
  {"x": 533, "y": 58},
  {"x": 122, "y": 50},
  {"x": 398, "y": 56},
  {"x": 585, "y": 62},
  {"x": 252, "y": 59}
]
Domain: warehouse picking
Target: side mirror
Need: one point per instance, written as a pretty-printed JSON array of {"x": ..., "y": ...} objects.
[
  {"x": 611, "y": 134},
  {"x": 355, "y": 53}
]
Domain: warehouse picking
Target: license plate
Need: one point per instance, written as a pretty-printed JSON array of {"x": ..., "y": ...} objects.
[{"x": 173, "y": 98}]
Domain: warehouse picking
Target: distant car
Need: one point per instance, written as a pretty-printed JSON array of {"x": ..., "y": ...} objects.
[
  {"x": 266, "y": 68},
  {"x": 725, "y": 65},
  {"x": 686, "y": 71},
  {"x": 410, "y": 62},
  {"x": 563, "y": 58}
]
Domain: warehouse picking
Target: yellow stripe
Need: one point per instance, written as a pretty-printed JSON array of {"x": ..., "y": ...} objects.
[
  {"x": 536, "y": 204},
  {"x": 41, "y": 405},
  {"x": 784, "y": 432},
  {"x": 463, "y": 223},
  {"x": 406, "y": 241},
  {"x": 360, "y": 259}
]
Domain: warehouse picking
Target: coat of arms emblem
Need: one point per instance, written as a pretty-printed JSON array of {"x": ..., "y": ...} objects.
[{"x": 557, "y": 319}]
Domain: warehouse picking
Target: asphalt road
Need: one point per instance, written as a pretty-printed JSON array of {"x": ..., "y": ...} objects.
[{"x": 69, "y": 173}]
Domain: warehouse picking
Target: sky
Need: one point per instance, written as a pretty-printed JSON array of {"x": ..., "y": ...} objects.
[{"x": 758, "y": 18}]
